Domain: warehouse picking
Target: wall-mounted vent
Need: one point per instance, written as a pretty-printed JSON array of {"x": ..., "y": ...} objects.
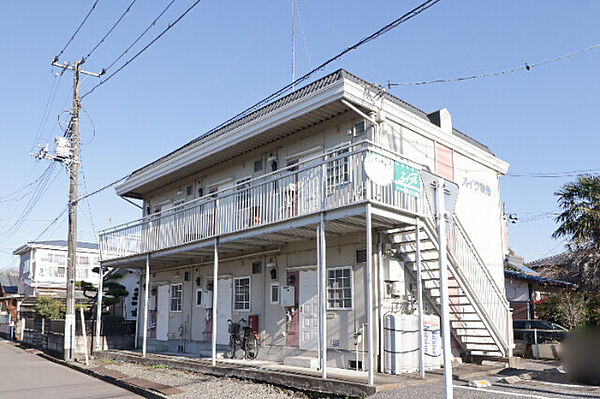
[
  {"x": 352, "y": 365},
  {"x": 186, "y": 276},
  {"x": 256, "y": 267},
  {"x": 335, "y": 343},
  {"x": 361, "y": 255}
]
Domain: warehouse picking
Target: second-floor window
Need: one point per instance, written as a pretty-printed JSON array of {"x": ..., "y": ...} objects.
[
  {"x": 176, "y": 297},
  {"x": 338, "y": 169}
]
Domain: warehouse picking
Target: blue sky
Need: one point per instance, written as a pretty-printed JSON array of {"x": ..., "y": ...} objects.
[{"x": 226, "y": 55}]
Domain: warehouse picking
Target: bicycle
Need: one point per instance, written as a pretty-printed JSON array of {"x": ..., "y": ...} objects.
[{"x": 245, "y": 339}]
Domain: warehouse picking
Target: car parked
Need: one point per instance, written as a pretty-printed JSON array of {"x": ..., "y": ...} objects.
[{"x": 546, "y": 331}]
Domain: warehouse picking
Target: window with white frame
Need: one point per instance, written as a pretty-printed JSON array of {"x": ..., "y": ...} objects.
[
  {"x": 339, "y": 288},
  {"x": 274, "y": 293},
  {"x": 176, "y": 296},
  {"x": 241, "y": 293},
  {"x": 199, "y": 297},
  {"x": 360, "y": 128},
  {"x": 338, "y": 169}
]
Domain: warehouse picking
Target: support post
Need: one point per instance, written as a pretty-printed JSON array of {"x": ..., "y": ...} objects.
[
  {"x": 137, "y": 314},
  {"x": 420, "y": 299},
  {"x": 98, "y": 344},
  {"x": 371, "y": 376},
  {"x": 145, "y": 314},
  {"x": 380, "y": 296},
  {"x": 214, "y": 302},
  {"x": 445, "y": 305},
  {"x": 323, "y": 297}
]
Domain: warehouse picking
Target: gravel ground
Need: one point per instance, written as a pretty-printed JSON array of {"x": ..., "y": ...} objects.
[{"x": 197, "y": 385}]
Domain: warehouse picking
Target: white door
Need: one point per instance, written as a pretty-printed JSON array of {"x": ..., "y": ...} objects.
[
  {"x": 223, "y": 310},
  {"x": 309, "y": 310},
  {"x": 309, "y": 185},
  {"x": 162, "y": 313}
]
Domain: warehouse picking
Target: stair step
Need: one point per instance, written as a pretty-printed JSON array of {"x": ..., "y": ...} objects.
[{"x": 301, "y": 361}]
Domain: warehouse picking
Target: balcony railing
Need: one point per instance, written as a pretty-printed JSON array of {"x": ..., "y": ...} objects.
[{"x": 326, "y": 181}]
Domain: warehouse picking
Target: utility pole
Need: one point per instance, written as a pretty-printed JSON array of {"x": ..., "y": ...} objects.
[{"x": 73, "y": 166}]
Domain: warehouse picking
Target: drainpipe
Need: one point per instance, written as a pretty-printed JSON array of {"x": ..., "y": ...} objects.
[
  {"x": 214, "y": 302},
  {"x": 145, "y": 315},
  {"x": 98, "y": 345}
]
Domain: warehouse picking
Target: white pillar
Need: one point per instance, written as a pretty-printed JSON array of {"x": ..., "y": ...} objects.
[
  {"x": 420, "y": 299},
  {"x": 369, "y": 267},
  {"x": 380, "y": 297},
  {"x": 145, "y": 310},
  {"x": 214, "y": 302},
  {"x": 323, "y": 298},
  {"x": 445, "y": 305},
  {"x": 98, "y": 343}
]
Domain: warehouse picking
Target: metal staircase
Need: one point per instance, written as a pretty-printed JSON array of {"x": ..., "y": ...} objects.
[{"x": 479, "y": 312}]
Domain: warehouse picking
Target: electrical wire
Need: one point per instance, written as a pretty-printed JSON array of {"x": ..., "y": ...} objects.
[
  {"x": 101, "y": 188},
  {"x": 153, "y": 23},
  {"x": 569, "y": 173},
  {"x": 171, "y": 25},
  {"x": 77, "y": 30},
  {"x": 404, "y": 18},
  {"x": 527, "y": 67},
  {"x": 110, "y": 30}
]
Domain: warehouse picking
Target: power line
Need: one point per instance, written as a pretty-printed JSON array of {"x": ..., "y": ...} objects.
[
  {"x": 527, "y": 67},
  {"x": 77, "y": 30},
  {"x": 569, "y": 173},
  {"x": 153, "y": 23},
  {"x": 404, "y": 18},
  {"x": 102, "y": 188},
  {"x": 172, "y": 24},
  {"x": 111, "y": 29}
]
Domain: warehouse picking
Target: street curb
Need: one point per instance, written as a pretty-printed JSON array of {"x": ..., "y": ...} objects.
[{"x": 111, "y": 380}]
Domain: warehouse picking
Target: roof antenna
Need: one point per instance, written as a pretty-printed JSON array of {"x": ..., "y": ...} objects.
[{"x": 293, "y": 46}]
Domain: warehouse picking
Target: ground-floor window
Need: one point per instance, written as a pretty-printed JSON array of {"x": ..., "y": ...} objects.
[
  {"x": 176, "y": 295},
  {"x": 274, "y": 293},
  {"x": 241, "y": 292},
  {"x": 339, "y": 288}
]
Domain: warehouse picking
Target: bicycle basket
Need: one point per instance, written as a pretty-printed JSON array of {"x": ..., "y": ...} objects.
[{"x": 234, "y": 328}]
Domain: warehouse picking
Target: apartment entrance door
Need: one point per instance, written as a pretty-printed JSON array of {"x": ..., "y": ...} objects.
[
  {"x": 162, "y": 313},
  {"x": 309, "y": 310}
]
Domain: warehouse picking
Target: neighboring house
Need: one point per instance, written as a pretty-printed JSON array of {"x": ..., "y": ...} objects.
[
  {"x": 43, "y": 267},
  {"x": 9, "y": 302},
  {"x": 337, "y": 152},
  {"x": 525, "y": 286}
]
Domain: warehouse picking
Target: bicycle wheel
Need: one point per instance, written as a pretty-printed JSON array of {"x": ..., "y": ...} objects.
[{"x": 251, "y": 347}]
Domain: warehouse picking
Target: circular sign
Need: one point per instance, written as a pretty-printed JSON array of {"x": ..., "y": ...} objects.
[{"x": 379, "y": 169}]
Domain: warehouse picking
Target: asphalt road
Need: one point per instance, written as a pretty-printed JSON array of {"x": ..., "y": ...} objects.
[{"x": 24, "y": 375}]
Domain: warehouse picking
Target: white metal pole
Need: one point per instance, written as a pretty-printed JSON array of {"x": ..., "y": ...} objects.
[
  {"x": 323, "y": 304},
  {"x": 137, "y": 313},
  {"x": 97, "y": 345},
  {"x": 380, "y": 296},
  {"x": 145, "y": 310},
  {"x": 214, "y": 302},
  {"x": 369, "y": 266},
  {"x": 85, "y": 343},
  {"x": 420, "y": 299},
  {"x": 445, "y": 305},
  {"x": 319, "y": 297}
]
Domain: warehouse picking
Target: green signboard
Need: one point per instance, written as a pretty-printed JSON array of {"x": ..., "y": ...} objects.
[{"x": 407, "y": 179}]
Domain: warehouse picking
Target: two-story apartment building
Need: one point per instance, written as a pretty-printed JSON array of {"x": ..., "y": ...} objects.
[
  {"x": 309, "y": 217},
  {"x": 43, "y": 265}
]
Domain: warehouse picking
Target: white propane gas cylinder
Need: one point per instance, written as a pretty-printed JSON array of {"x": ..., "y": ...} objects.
[
  {"x": 436, "y": 341},
  {"x": 401, "y": 343}
]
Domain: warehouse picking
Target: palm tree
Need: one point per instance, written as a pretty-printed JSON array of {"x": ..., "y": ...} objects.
[{"x": 580, "y": 218}]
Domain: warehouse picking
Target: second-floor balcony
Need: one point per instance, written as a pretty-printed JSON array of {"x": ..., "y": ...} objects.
[{"x": 341, "y": 177}]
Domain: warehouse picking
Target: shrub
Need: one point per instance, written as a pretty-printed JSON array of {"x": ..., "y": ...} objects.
[{"x": 49, "y": 308}]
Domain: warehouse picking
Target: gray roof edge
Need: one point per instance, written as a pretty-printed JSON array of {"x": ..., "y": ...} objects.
[{"x": 321, "y": 83}]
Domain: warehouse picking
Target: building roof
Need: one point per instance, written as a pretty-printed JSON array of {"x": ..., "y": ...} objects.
[
  {"x": 54, "y": 243},
  {"x": 9, "y": 281},
  {"x": 297, "y": 95},
  {"x": 555, "y": 260},
  {"x": 536, "y": 278}
]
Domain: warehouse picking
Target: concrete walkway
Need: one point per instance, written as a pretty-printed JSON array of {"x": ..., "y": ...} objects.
[
  {"x": 24, "y": 375},
  {"x": 340, "y": 382}
]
